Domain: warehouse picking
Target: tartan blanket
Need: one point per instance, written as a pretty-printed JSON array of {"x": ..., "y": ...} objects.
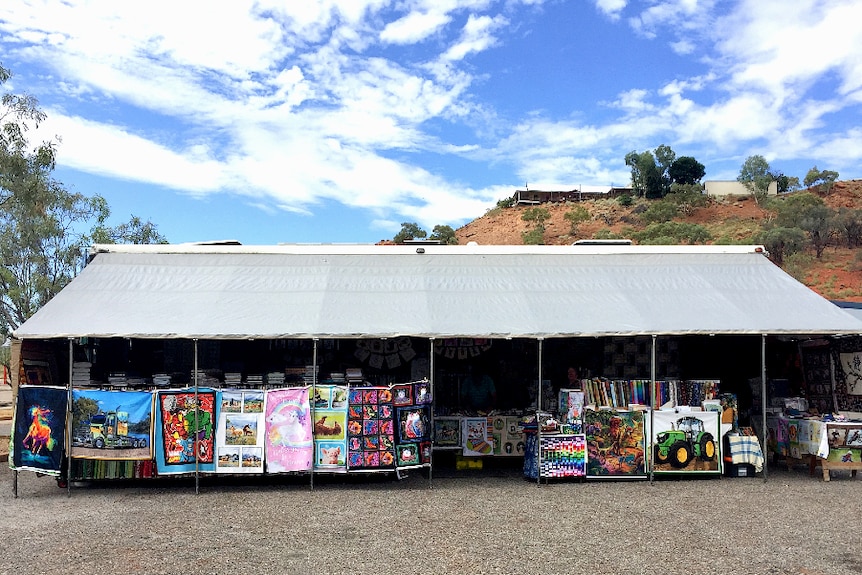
[{"x": 746, "y": 449}]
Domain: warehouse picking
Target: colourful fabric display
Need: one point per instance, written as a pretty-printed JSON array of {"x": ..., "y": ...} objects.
[
  {"x": 370, "y": 428},
  {"x": 112, "y": 424},
  {"x": 186, "y": 424},
  {"x": 329, "y": 414},
  {"x": 289, "y": 442},
  {"x": 39, "y": 431},
  {"x": 563, "y": 455},
  {"x": 240, "y": 432},
  {"x": 745, "y": 449}
]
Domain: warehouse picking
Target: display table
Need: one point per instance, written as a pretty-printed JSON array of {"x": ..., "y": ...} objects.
[{"x": 834, "y": 445}]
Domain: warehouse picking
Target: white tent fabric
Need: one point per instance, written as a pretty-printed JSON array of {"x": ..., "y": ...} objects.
[{"x": 240, "y": 292}]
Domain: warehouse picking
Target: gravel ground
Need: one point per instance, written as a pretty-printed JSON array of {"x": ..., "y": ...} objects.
[{"x": 492, "y": 521}]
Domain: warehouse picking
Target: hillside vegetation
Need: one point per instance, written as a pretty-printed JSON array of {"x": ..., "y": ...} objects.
[{"x": 836, "y": 274}]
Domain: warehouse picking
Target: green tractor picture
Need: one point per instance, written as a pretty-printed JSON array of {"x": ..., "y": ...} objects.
[{"x": 683, "y": 442}]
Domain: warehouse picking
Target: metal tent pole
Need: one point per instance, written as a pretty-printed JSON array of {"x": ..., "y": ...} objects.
[
  {"x": 196, "y": 422},
  {"x": 313, "y": 416},
  {"x": 648, "y": 456},
  {"x": 431, "y": 389},
  {"x": 539, "y": 423},
  {"x": 68, "y": 441},
  {"x": 763, "y": 431}
]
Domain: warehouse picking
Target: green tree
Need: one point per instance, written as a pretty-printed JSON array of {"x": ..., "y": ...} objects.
[
  {"x": 647, "y": 179},
  {"x": 664, "y": 159},
  {"x": 686, "y": 170},
  {"x": 538, "y": 217},
  {"x": 687, "y": 197},
  {"x": 576, "y": 216},
  {"x": 661, "y": 211},
  {"x": 755, "y": 174},
  {"x": 669, "y": 233},
  {"x": 824, "y": 180},
  {"x": 444, "y": 234},
  {"x": 781, "y": 242},
  {"x": 409, "y": 231},
  {"x": 135, "y": 231},
  {"x": 39, "y": 242},
  {"x": 810, "y": 214},
  {"x": 848, "y": 223},
  {"x": 785, "y": 183}
]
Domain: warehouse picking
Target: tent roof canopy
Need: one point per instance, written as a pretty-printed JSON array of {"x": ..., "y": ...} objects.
[{"x": 228, "y": 291}]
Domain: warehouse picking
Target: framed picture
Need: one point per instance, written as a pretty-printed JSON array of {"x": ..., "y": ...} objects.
[
  {"x": 407, "y": 454},
  {"x": 402, "y": 395},
  {"x": 422, "y": 393},
  {"x": 447, "y": 432},
  {"x": 413, "y": 424}
]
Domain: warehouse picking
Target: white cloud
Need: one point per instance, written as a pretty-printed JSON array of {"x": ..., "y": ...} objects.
[
  {"x": 477, "y": 36},
  {"x": 414, "y": 27},
  {"x": 611, "y": 8}
]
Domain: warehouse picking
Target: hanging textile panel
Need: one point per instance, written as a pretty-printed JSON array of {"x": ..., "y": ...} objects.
[
  {"x": 507, "y": 435},
  {"x": 616, "y": 443},
  {"x": 571, "y": 407},
  {"x": 240, "y": 432},
  {"x": 186, "y": 422},
  {"x": 289, "y": 441},
  {"x": 114, "y": 425},
  {"x": 370, "y": 428},
  {"x": 563, "y": 455},
  {"x": 412, "y": 423},
  {"x": 330, "y": 423},
  {"x": 686, "y": 442},
  {"x": 39, "y": 431},
  {"x": 477, "y": 436}
]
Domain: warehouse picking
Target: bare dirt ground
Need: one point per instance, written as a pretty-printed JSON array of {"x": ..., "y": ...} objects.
[{"x": 836, "y": 275}]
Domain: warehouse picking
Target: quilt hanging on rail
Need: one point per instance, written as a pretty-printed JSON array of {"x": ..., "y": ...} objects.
[
  {"x": 112, "y": 425},
  {"x": 240, "y": 431},
  {"x": 289, "y": 443},
  {"x": 39, "y": 431},
  {"x": 329, "y": 403},
  {"x": 370, "y": 428},
  {"x": 185, "y": 436}
]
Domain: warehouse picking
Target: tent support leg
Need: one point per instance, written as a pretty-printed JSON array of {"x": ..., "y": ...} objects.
[
  {"x": 69, "y": 425},
  {"x": 313, "y": 415},
  {"x": 763, "y": 430},
  {"x": 431, "y": 388},
  {"x": 197, "y": 415},
  {"x": 648, "y": 455},
  {"x": 539, "y": 423}
]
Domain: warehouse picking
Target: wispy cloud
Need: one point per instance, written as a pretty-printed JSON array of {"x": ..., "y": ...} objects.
[{"x": 361, "y": 102}]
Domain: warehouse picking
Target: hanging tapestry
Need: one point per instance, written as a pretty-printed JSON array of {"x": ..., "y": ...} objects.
[
  {"x": 847, "y": 359},
  {"x": 686, "y": 442},
  {"x": 289, "y": 440},
  {"x": 447, "y": 432},
  {"x": 570, "y": 408},
  {"x": 477, "y": 437},
  {"x": 851, "y": 363},
  {"x": 185, "y": 423},
  {"x": 507, "y": 435},
  {"x": 414, "y": 430},
  {"x": 563, "y": 455},
  {"x": 240, "y": 432},
  {"x": 370, "y": 428},
  {"x": 615, "y": 443},
  {"x": 39, "y": 431},
  {"x": 816, "y": 360},
  {"x": 329, "y": 415},
  {"x": 112, "y": 424}
]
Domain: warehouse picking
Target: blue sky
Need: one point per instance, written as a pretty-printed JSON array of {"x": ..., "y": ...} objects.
[{"x": 337, "y": 120}]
